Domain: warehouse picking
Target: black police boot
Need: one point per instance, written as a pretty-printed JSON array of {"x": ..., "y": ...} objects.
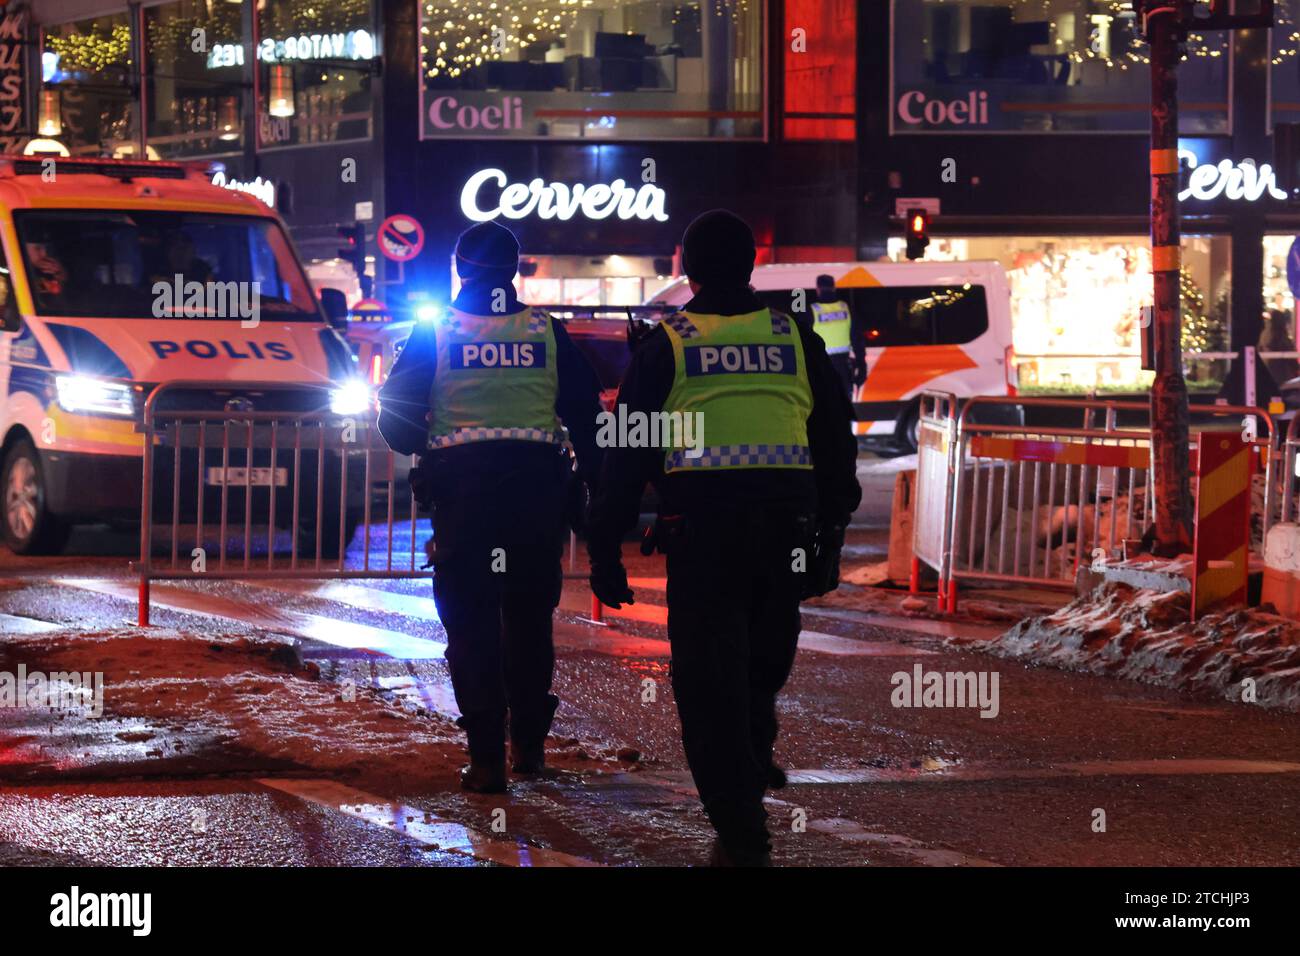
[
  {"x": 483, "y": 777},
  {"x": 527, "y": 759},
  {"x": 722, "y": 857}
]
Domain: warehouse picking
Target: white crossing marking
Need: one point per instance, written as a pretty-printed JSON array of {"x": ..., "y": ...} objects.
[
  {"x": 820, "y": 643},
  {"x": 419, "y": 825},
  {"x": 13, "y": 624},
  {"x": 347, "y": 634}
]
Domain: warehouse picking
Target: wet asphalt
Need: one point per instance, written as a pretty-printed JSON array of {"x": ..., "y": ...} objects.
[{"x": 1073, "y": 769}]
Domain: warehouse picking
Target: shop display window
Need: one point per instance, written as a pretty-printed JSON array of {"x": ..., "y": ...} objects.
[
  {"x": 980, "y": 66},
  {"x": 592, "y": 69},
  {"x": 194, "y": 78},
  {"x": 314, "y": 62},
  {"x": 1076, "y": 305},
  {"x": 86, "y": 85}
]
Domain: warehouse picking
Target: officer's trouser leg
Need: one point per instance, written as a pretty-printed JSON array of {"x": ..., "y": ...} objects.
[
  {"x": 709, "y": 615},
  {"x": 532, "y": 592},
  {"x": 468, "y": 594},
  {"x": 774, "y": 637},
  {"x": 843, "y": 365}
]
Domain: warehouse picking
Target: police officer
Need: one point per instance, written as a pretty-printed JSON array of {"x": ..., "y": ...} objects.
[
  {"x": 833, "y": 321},
  {"x": 751, "y": 517},
  {"x": 480, "y": 394}
]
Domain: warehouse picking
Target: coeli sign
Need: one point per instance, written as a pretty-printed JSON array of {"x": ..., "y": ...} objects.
[
  {"x": 914, "y": 108},
  {"x": 560, "y": 201},
  {"x": 1243, "y": 180}
]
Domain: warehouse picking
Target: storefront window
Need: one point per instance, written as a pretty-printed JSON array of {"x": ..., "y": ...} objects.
[
  {"x": 1285, "y": 80},
  {"x": 1076, "y": 306},
  {"x": 592, "y": 69},
  {"x": 88, "y": 63},
  {"x": 1279, "y": 334},
  {"x": 315, "y": 61},
  {"x": 194, "y": 77},
  {"x": 1051, "y": 66}
]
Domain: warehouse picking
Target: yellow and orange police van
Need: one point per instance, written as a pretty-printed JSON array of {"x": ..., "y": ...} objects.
[
  {"x": 119, "y": 276},
  {"x": 943, "y": 326}
]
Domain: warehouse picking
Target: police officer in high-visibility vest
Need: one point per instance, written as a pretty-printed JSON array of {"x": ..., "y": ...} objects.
[
  {"x": 480, "y": 394},
  {"x": 833, "y": 321},
  {"x": 753, "y": 503}
]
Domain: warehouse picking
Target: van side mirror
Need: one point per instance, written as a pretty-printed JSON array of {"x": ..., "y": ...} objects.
[
  {"x": 10, "y": 321},
  {"x": 335, "y": 305}
]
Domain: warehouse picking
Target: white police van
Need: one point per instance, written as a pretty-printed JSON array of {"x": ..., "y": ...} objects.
[{"x": 117, "y": 276}]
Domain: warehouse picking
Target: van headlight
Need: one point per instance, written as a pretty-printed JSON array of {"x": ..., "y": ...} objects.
[
  {"x": 85, "y": 393},
  {"x": 353, "y": 398}
]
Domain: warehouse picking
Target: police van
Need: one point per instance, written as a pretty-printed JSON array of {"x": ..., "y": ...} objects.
[
  {"x": 118, "y": 276},
  {"x": 943, "y": 326}
]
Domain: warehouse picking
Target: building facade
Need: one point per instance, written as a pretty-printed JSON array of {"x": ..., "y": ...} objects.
[{"x": 596, "y": 129}]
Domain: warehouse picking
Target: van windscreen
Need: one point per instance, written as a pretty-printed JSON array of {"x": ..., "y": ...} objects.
[{"x": 160, "y": 264}]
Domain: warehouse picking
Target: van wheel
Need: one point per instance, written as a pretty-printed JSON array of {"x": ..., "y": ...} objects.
[
  {"x": 28, "y": 526},
  {"x": 908, "y": 434}
]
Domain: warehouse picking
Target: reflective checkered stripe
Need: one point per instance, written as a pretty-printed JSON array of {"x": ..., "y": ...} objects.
[
  {"x": 832, "y": 321},
  {"x": 463, "y": 436},
  {"x": 495, "y": 379},
  {"x": 740, "y": 381},
  {"x": 742, "y": 456},
  {"x": 680, "y": 324}
]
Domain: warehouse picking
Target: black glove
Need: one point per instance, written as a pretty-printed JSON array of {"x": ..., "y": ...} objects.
[
  {"x": 859, "y": 372},
  {"x": 824, "y": 563},
  {"x": 421, "y": 480},
  {"x": 609, "y": 583}
]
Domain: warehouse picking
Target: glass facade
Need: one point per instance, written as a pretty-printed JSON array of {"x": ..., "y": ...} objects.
[
  {"x": 592, "y": 69},
  {"x": 88, "y": 63},
  {"x": 979, "y": 66},
  {"x": 313, "y": 62},
  {"x": 193, "y": 78}
]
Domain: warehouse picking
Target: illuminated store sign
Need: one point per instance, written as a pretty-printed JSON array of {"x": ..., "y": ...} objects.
[
  {"x": 559, "y": 201},
  {"x": 263, "y": 189},
  {"x": 1243, "y": 180},
  {"x": 353, "y": 45}
]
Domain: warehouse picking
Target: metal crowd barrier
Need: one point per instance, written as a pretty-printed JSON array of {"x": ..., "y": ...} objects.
[
  {"x": 1017, "y": 504},
  {"x": 235, "y": 477},
  {"x": 1290, "y": 483}
]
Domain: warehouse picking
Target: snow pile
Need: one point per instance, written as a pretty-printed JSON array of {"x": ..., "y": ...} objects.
[
  {"x": 251, "y": 700},
  {"x": 1145, "y": 635}
]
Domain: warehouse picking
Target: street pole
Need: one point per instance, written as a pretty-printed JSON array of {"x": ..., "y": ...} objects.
[{"x": 1169, "y": 415}]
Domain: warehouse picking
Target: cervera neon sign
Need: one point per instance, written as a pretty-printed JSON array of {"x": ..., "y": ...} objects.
[
  {"x": 263, "y": 189},
  {"x": 559, "y": 201},
  {"x": 1243, "y": 180}
]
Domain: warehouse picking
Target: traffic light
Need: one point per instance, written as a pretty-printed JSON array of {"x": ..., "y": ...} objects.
[
  {"x": 353, "y": 249},
  {"x": 918, "y": 232},
  {"x": 1286, "y": 160}
]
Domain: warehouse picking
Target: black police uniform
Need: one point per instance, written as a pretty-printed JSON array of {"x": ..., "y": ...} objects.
[
  {"x": 496, "y": 494},
  {"x": 733, "y": 595}
]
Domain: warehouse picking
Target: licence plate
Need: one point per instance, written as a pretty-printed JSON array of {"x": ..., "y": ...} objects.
[{"x": 239, "y": 477}]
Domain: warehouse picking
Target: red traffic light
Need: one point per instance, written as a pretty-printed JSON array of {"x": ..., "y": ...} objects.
[{"x": 917, "y": 223}]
